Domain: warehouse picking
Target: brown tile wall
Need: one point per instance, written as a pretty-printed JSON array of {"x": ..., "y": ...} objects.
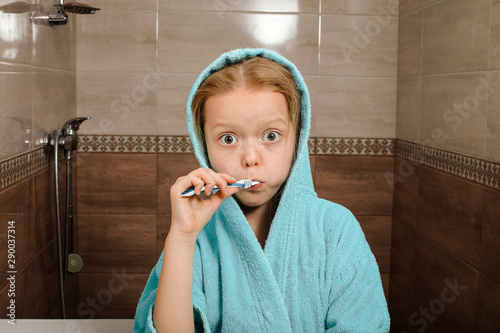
[
  {"x": 363, "y": 184},
  {"x": 445, "y": 228},
  {"x": 30, "y": 203},
  {"x": 445, "y": 233},
  {"x": 437, "y": 231},
  {"x": 124, "y": 217}
]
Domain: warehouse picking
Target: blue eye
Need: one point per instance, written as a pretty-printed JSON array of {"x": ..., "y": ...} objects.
[
  {"x": 227, "y": 139},
  {"x": 271, "y": 136}
]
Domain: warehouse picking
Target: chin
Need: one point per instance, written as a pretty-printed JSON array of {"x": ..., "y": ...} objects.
[
  {"x": 248, "y": 201},
  {"x": 254, "y": 199}
]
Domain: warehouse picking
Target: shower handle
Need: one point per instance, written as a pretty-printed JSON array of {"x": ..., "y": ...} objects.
[
  {"x": 73, "y": 124},
  {"x": 70, "y": 136}
]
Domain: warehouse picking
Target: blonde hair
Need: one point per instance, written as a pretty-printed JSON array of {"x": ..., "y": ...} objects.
[{"x": 253, "y": 73}]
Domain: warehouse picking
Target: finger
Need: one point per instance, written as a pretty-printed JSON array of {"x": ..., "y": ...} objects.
[
  {"x": 211, "y": 179},
  {"x": 204, "y": 196},
  {"x": 232, "y": 190},
  {"x": 228, "y": 178},
  {"x": 196, "y": 182},
  {"x": 220, "y": 180},
  {"x": 199, "y": 178},
  {"x": 225, "y": 179},
  {"x": 184, "y": 183},
  {"x": 203, "y": 177}
]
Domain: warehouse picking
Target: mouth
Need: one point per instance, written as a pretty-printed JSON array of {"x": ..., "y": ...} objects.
[{"x": 256, "y": 187}]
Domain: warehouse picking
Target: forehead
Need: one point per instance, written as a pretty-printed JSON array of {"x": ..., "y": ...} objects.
[{"x": 245, "y": 106}]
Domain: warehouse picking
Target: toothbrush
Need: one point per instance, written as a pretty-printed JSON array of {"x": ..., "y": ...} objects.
[{"x": 243, "y": 183}]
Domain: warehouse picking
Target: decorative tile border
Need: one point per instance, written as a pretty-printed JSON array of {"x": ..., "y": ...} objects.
[
  {"x": 182, "y": 144},
  {"x": 174, "y": 144},
  {"x": 21, "y": 167},
  {"x": 474, "y": 169},
  {"x": 471, "y": 168},
  {"x": 312, "y": 143},
  {"x": 348, "y": 146},
  {"x": 117, "y": 144}
]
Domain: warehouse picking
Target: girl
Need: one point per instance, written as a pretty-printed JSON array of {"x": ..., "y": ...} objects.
[{"x": 271, "y": 258}]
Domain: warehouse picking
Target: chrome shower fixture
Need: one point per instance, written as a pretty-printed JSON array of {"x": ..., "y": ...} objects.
[
  {"x": 67, "y": 138},
  {"x": 70, "y": 136},
  {"x": 60, "y": 17},
  {"x": 49, "y": 18},
  {"x": 75, "y": 7}
]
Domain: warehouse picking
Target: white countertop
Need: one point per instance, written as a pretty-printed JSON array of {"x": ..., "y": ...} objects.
[{"x": 68, "y": 326}]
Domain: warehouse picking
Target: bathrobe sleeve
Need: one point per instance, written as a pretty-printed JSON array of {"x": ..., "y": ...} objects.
[
  {"x": 356, "y": 299},
  {"x": 143, "y": 322},
  {"x": 144, "y": 313},
  {"x": 201, "y": 323}
]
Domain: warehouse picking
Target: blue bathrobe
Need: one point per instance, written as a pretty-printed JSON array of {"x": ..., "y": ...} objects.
[{"x": 316, "y": 272}]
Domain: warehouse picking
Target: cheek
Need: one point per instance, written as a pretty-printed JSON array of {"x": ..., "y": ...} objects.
[
  {"x": 278, "y": 158},
  {"x": 220, "y": 163},
  {"x": 289, "y": 150},
  {"x": 214, "y": 157},
  {"x": 282, "y": 160}
]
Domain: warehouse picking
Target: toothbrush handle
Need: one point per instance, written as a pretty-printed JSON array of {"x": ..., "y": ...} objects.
[{"x": 190, "y": 191}]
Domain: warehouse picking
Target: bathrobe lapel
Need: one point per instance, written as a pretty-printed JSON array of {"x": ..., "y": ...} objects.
[{"x": 257, "y": 289}]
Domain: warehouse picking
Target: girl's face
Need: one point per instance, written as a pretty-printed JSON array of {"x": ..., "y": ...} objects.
[{"x": 249, "y": 135}]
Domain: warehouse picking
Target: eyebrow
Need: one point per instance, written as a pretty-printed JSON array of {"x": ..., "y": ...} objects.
[{"x": 267, "y": 123}]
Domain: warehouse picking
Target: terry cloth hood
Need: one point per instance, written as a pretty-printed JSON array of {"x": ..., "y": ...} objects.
[
  {"x": 316, "y": 272},
  {"x": 301, "y": 171}
]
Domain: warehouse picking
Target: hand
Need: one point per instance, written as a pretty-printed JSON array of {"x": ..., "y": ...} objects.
[{"x": 191, "y": 214}]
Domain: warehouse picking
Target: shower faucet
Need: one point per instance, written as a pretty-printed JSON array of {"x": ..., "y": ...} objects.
[
  {"x": 69, "y": 134},
  {"x": 73, "y": 124},
  {"x": 66, "y": 136}
]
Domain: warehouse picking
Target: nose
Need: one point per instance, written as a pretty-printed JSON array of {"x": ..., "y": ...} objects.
[{"x": 251, "y": 156}]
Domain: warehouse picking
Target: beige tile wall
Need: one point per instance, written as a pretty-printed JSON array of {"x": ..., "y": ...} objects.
[
  {"x": 37, "y": 78},
  {"x": 37, "y": 93},
  {"x": 448, "y": 83},
  {"x": 131, "y": 65},
  {"x": 136, "y": 63}
]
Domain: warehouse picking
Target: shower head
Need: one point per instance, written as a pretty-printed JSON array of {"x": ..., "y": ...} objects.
[
  {"x": 60, "y": 17},
  {"x": 75, "y": 7}
]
